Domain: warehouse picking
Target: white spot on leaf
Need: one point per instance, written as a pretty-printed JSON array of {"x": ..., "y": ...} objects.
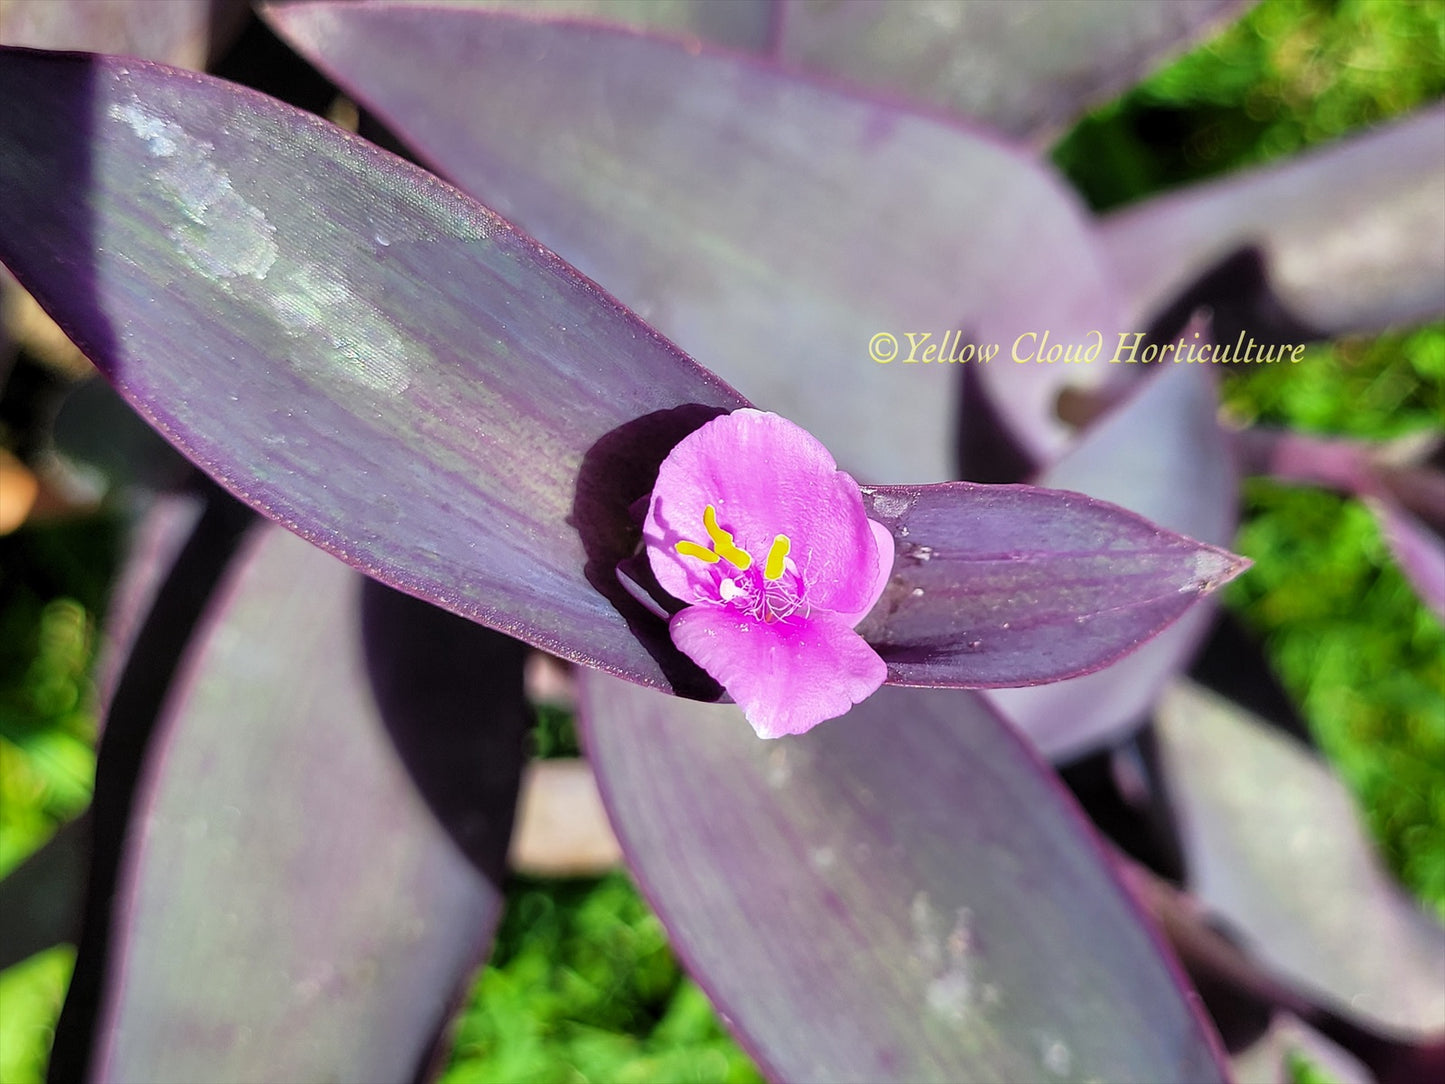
[
  {"x": 222, "y": 235},
  {"x": 352, "y": 335},
  {"x": 891, "y": 505},
  {"x": 1055, "y": 1055},
  {"x": 946, "y": 958}
]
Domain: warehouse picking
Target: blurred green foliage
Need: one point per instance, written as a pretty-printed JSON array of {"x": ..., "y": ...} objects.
[
  {"x": 53, "y": 581},
  {"x": 1361, "y": 656},
  {"x": 555, "y": 734},
  {"x": 581, "y": 986},
  {"x": 1378, "y": 388},
  {"x": 30, "y": 994},
  {"x": 1289, "y": 75}
]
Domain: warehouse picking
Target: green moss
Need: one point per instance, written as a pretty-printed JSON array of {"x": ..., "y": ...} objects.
[
  {"x": 1303, "y": 1071},
  {"x": 1291, "y": 74},
  {"x": 1363, "y": 658},
  {"x": 54, "y": 583},
  {"x": 1376, "y": 388},
  {"x": 31, "y": 993},
  {"x": 582, "y": 987}
]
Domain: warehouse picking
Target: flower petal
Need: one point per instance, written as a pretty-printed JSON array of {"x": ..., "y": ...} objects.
[
  {"x": 883, "y": 539},
  {"x": 787, "y": 676},
  {"x": 765, "y": 476}
]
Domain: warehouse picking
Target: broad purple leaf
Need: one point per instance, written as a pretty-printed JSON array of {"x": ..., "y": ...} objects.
[
  {"x": 369, "y": 357},
  {"x": 1353, "y": 234},
  {"x": 770, "y": 225},
  {"x": 1007, "y": 583},
  {"x": 1163, "y": 455},
  {"x": 1027, "y": 67},
  {"x": 1275, "y": 850},
  {"x": 736, "y": 24},
  {"x": 393, "y": 373},
  {"x": 903, "y": 894},
  {"x": 183, "y": 32},
  {"x": 303, "y": 893}
]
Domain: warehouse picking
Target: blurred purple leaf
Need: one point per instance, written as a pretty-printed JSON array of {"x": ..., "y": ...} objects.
[
  {"x": 1404, "y": 491},
  {"x": 1353, "y": 234},
  {"x": 1419, "y": 549},
  {"x": 298, "y": 900},
  {"x": 736, "y": 24},
  {"x": 910, "y": 870},
  {"x": 1269, "y": 1059},
  {"x": 413, "y": 386},
  {"x": 154, "y": 543},
  {"x": 1245, "y": 1001},
  {"x": 1274, "y": 849},
  {"x": 181, "y": 32},
  {"x": 1027, "y": 67},
  {"x": 1163, "y": 455},
  {"x": 173, "y": 575},
  {"x": 767, "y": 223},
  {"x": 1013, "y": 585}
]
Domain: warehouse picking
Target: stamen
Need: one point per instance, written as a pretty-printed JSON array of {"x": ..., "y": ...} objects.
[
  {"x": 729, "y": 590},
  {"x": 722, "y": 542},
  {"x": 777, "y": 554},
  {"x": 692, "y": 549}
]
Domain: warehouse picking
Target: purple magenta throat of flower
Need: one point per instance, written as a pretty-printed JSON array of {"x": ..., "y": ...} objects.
[{"x": 754, "y": 526}]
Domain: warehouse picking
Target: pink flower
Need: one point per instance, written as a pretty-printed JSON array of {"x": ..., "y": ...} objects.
[{"x": 753, "y": 523}]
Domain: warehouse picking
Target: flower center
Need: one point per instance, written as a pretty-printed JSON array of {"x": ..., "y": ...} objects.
[{"x": 772, "y": 596}]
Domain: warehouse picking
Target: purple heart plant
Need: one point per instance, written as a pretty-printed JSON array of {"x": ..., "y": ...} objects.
[{"x": 590, "y": 396}]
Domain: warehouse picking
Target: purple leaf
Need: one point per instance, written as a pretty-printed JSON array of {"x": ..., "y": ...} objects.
[
  {"x": 1027, "y": 68},
  {"x": 184, "y": 32},
  {"x": 1275, "y": 850},
  {"x": 393, "y": 373},
  {"x": 1163, "y": 455},
  {"x": 1013, "y": 585},
  {"x": 171, "y": 581},
  {"x": 902, "y": 894},
  {"x": 1269, "y": 1059},
  {"x": 770, "y": 225},
  {"x": 1419, "y": 549},
  {"x": 1353, "y": 234},
  {"x": 736, "y": 24},
  {"x": 1406, "y": 494},
  {"x": 1243, "y": 999},
  {"x": 153, "y": 546},
  {"x": 297, "y": 764},
  {"x": 370, "y": 358}
]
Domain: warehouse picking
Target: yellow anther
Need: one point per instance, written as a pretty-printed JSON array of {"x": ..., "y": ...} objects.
[
  {"x": 776, "y": 556},
  {"x": 692, "y": 549},
  {"x": 722, "y": 542}
]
